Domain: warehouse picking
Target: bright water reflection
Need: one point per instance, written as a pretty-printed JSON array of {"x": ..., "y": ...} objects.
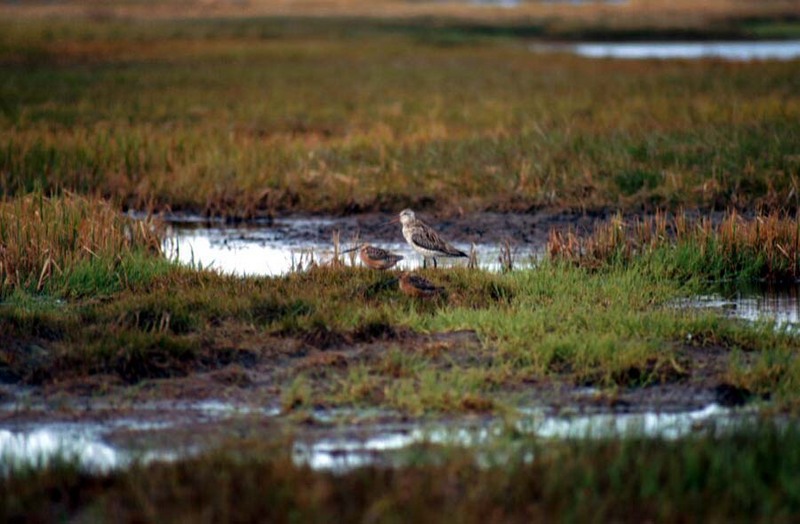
[
  {"x": 648, "y": 424},
  {"x": 269, "y": 252},
  {"x": 345, "y": 453},
  {"x": 735, "y": 51},
  {"x": 776, "y": 304},
  {"x": 75, "y": 443},
  {"x": 91, "y": 446},
  {"x": 41, "y": 446}
]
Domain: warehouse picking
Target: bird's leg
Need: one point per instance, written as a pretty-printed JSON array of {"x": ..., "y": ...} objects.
[
  {"x": 424, "y": 262},
  {"x": 434, "y": 262}
]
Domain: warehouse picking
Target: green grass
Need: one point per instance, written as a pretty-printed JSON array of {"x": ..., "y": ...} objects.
[
  {"x": 774, "y": 29},
  {"x": 74, "y": 246},
  {"x": 115, "y": 309},
  {"x": 248, "y": 117},
  {"x": 749, "y": 475},
  {"x": 611, "y": 329},
  {"x": 762, "y": 247}
]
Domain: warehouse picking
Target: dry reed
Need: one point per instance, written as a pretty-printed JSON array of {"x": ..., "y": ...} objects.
[
  {"x": 766, "y": 246},
  {"x": 42, "y": 237}
]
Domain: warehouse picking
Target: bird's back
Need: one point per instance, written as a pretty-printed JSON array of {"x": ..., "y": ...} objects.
[
  {"x": 378, "y": 258},
  {"x": 428, "y": 242},
  {"x": 417, "y": 286}
]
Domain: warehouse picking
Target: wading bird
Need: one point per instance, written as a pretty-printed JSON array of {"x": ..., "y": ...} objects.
[
  {"x": 416, "y": 286},
  {"x": 375, "y": 257},
  {"x": 424, "y": 239}
]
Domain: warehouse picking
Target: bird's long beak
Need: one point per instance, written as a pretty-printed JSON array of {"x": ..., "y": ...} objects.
[
  {"x": 351, "y": 249},
  {"x": 394, "y": 220}
]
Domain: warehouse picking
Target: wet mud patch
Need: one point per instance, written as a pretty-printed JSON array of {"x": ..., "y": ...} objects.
[
  {"x": 247, "y": 365},
  {"x": 654, "y": 372},
  {"x": 24, "y": 361},
  {"x": 233, "y": 375},
  {"x": 382, "y": 353},
  {"x": 258, "y": 397},
  {"x": 322, "y": 337},
  {"x": 692, "y": 378},
  {"x": 376, "y": 330},
  {"x": 482, "y": 227}
]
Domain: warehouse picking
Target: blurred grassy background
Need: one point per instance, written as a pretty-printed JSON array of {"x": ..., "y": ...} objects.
[{"x": 250, "y": 116}]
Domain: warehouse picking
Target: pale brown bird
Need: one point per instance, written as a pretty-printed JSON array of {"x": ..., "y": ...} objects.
[
  {"x": 424, "y": 239},
  {"x": 375, "y": 257},
  {"x": 414, "y": 285}
]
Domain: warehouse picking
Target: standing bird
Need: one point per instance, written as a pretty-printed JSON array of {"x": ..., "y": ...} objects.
[
  {"x": 375, "y": 257},
  {"x": 425, "y": 240},
  {"x": 416, "y": 286}
]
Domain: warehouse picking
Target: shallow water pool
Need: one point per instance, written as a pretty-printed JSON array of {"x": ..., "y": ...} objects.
[
  {"x": 734, "y": 51},
  {"x": 778, "y": 304},
  {"x": 331, "y": 445},
  {"x": 284, "y": 247}
]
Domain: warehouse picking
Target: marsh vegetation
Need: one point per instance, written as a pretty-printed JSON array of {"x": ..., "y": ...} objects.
[
  {"x": 239, "y": 118},
  {"x": 236, "y": 118}
]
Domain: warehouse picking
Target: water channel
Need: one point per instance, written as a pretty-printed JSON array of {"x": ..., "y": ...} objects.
[
  {"x": 723, "y": 50},
  {"x": 290, "y": 244}
]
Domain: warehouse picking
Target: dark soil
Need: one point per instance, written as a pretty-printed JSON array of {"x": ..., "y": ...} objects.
[
  {"x": 242, "y": 397},
  {"x": 238, "y": 364},
  {"x": 258, "y": 369},
  {"x": 481, "y": 228}
]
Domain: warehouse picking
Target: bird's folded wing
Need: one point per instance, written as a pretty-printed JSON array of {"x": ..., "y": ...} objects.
[
  {"x": 421, "y": 283},
  {"x": 376, "y": 252},
  {"x": 428, "y": 239}
]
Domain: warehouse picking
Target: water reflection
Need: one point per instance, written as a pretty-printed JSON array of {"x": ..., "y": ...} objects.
[
  {"x": 272, "y": 251},
  {"x": 40, "y": 447},
  {"x": 497, "y": 3},
  {"x": 92, "y": 446},
  {"x": 737, "y": 51},
  {"x": 80, "y": 444},
  {"x": 779, "y": 304},
  {"x": 649, "y": 424},
  {"x": 386, "y": 445}
]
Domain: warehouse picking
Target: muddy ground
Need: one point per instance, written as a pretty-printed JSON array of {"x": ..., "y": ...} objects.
[
  {"x": 481, "y": 228},
  {"x": 263, "y": 367},
  {"x": 525, "y": 232},
  {"x": 257, "y": 370},
  {"x": 242, "y": 401}
]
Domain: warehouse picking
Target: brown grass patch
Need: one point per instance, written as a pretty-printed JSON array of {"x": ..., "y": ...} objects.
[
  {"x": 41, "y": 237},
  {"x": 762, "y": 246}
]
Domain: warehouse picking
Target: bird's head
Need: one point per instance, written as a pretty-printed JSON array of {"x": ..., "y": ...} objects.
[{"x": 406, "y": 216}]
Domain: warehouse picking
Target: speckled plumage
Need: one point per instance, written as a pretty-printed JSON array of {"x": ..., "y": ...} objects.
[
  {"x": 416, "y": 286},
  {"x": 377, "y": 258},
  {"x": 424, "y": 240}
]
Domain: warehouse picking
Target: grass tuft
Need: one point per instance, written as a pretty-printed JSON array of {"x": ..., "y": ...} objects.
[
  {"x": 73, "y": 245},
  {"x": 764, "y": 247}
]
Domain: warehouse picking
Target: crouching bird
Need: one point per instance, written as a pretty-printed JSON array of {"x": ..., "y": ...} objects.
[
  {"x": 375, "y": 257},
  {"x": 414, "y": 285}
]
